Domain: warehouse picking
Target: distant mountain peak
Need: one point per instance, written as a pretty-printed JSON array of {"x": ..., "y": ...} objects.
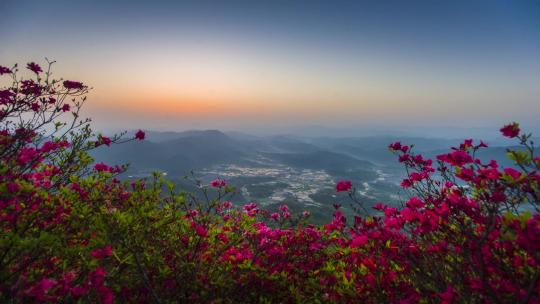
[{"x": 213, "y": 132}]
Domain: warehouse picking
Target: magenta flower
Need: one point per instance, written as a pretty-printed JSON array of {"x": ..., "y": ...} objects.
[
  {"x": 30, "y": 87},
  {"x": 359, "y": 240},
  {"x": 35, "y": 107},
  {"x": 343, "y": 185},
  {"x": 140, "y": 135},
  {"x": 466, "y": 174},
  {"x": 200, "y": 230},
  {"x": 467, "y": 143},
  {"x": 403, "y": 158},
  {"x": 415, "y": 203},
  {"x": 40, "y": 289},
  {"x": 218, "y": 183},
  {"x": 13, "y": 187},
  {"x": 106, "y": 141},
  {"x": 510, "y": 130},
  {"x": 251, "y": 209},
  {"x": 68, "y": 84},
  {"x": 456, "y": 158},
  {"x": 448, "y": 295},
  {"x": 406, "y": 183},
  {"x": 5, "y": 96},
  {"x": 274, "y": 216},
  {"x": 4, "y": 70},
  {"x": 395, "y": 146},
  {"x": 34, "y": 67},
  {"x": 513, "y": 173},
  {"x": 101, "y": 167},
  {"x": 102, "y": 253},
  {"x": 27, "y": 155}
]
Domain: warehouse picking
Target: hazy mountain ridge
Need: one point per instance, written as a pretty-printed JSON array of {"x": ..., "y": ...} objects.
[
  {"x": 272, "y": 170},
  {"x": 187, "y": 151},
  {"x": 180, "y": 152}
]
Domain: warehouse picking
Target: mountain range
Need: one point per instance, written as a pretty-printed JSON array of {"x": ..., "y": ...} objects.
[{"x": 276, "y": 169}]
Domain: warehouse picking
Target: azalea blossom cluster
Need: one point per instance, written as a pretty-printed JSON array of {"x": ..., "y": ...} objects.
[
  {"x": 72, "y": 231},
  {"x": 41, "y": 156}
]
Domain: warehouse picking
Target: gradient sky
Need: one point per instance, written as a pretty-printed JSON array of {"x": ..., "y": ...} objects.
[{"x": 251, "y": 65}]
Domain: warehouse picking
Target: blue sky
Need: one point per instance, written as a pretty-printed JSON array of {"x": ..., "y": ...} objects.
[{"x": 263, "y": 64}]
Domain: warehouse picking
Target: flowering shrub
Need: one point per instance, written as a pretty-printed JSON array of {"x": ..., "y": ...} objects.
[{"x": 71, "y": 231}]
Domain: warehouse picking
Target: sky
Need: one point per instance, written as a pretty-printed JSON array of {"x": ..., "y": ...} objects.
[{"x": 273, "y": 65}]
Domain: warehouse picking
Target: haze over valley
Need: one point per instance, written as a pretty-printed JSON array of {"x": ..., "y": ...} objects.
[{"x": 299, "y": 171}]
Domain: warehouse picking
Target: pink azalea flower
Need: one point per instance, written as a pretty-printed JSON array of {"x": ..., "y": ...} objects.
[
  {"x": 40, "y": 290},
  {"x": 218, "y": 183},
  {"x": 106, "y": 141},
  {"x": 415, "y": 203},
  {"x": 343, "y": 186},
  {"x": 456, "y": 158},
  {"x": 359, "y": 240},
  {"x": 274, "y": 216},
  {"x": 101, "y": 167},
  {"x": 34, "y": 67},
  {"x": 4, "y": 70},
  {"x": 510, "y": 130},
  {"x": 140, "y": 135},
  {"x": 513, "y": 173},
  {"x": 200, "y": 230},
  {"x": 102, "y": 253},
  {"x": 395, "y": 146},
  {"x": 68, "y": 84}
]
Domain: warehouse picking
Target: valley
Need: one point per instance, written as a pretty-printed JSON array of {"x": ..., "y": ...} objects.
[{"x": 274, "y": 170}]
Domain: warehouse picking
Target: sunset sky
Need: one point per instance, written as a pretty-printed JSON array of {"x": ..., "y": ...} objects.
[{"x": 250, "y": 65}]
